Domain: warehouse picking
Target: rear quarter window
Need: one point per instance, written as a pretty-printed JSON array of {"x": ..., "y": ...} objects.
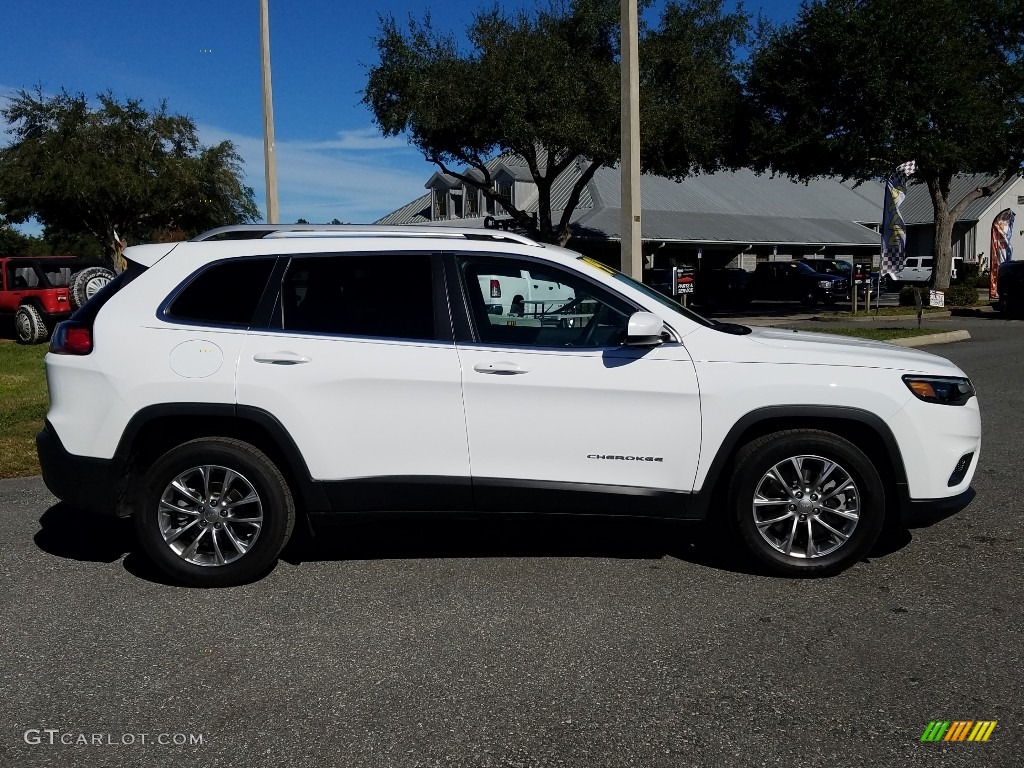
[{"x": 227, "y": 293}]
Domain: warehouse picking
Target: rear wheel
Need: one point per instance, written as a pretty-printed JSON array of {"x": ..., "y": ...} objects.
[
  {"x": 215, "y": 512},
  {"x": 806, "y": 502},
  {"x": 29, "y": 325}
]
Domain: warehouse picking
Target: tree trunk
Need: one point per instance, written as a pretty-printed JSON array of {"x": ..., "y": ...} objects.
[{"x": 942, "y": 263}]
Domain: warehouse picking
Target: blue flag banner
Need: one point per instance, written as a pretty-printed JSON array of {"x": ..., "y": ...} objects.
[
  {"x": 894, "y": 232},
  {"x": 1002, "y": 249}
]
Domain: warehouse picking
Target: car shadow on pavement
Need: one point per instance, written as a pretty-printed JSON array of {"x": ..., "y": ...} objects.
[
  {"x": 66, "y": 532},
  {"x": 523, "y": 536},
  {"x": 74, "y": 535}
]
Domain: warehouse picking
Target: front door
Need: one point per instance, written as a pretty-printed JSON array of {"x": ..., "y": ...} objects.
[{"x": 561, "y": 416}]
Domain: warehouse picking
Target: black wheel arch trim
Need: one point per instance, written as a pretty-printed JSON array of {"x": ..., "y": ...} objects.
[
  {"x": 309, "y": 491},
  {"x": 700, "y": 501}
]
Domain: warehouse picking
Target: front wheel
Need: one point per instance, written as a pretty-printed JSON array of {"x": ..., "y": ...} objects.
[
  {"x": 29, "y": 325},
  {"x": 806, "y": 502},
  {"x": 215, "y": 512}
]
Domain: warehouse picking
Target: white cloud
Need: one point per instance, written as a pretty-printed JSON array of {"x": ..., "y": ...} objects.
[
  {"x": 357, "y": 178},
  {"x": 364, "y": 139}
]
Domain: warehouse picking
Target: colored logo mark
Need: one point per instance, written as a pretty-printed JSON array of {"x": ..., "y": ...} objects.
[{"x": 959, "y": 730}]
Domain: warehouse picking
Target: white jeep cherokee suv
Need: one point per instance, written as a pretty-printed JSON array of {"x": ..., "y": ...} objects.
[{"x": 219, "y": 387}]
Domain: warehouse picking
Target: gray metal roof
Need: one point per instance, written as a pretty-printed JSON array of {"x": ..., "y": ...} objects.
[
  {"x": 683, "y": 226},
  {"x": 416, "y": 212},
  {"x": 917, "y": 207},
  {"x": 728, "y": 206}
]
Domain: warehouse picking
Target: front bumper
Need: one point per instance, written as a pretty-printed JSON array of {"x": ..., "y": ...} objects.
[
  {"x": 920, "y": 513},
  {"x": 93, "y": 485}
]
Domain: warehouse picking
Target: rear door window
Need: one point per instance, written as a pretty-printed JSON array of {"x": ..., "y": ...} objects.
[{"x": 377, "y": 295}]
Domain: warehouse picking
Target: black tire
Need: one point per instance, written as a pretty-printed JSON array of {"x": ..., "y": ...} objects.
[
  {"x": 814, "y": 515},
  {"x": 168, "y": 535},
  {"x": 1009, "y": 307},
  {"x": 86, "y": 283},
  {"x": 810, "y": 298},
  {"x": 30, "y": 326}
]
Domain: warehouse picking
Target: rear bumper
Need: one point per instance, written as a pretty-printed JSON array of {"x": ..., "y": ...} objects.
[{"x": 93, "y": 485}]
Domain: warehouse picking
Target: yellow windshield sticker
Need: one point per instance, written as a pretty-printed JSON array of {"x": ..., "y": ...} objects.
[{"x": 598, "y": 265}]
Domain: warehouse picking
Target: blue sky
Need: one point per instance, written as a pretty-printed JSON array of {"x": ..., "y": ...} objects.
[{"x": 332, "y": 162}]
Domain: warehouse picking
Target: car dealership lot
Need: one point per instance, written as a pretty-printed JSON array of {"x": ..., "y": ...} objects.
[{"x": 539, "y": 642}]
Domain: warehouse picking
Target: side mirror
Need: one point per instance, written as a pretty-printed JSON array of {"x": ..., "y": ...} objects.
[{"x": 644, "y": 330}]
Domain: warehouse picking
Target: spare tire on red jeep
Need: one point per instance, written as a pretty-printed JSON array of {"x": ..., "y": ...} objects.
[{"x": 86, "y": 283}]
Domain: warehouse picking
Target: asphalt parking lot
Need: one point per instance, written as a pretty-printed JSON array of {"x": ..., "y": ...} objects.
[{"x": 526, "y": 643}]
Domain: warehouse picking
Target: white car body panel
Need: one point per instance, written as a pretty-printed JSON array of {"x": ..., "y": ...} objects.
[
  {"x": 564, "y": 408},
  {"x": 359, "y": 407}
]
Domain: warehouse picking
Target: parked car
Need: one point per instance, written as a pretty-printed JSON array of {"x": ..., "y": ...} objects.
[
  {"x": 796, "y": 281},
  {"x": 1010, "y": 285},
  {"x": 917, "y": 270},
  {"x": 717, "y": 288},
  {"x": 39, "y": 292},
  {"x": 844, "y": 268},
  {"x": 218, "y": 390}
]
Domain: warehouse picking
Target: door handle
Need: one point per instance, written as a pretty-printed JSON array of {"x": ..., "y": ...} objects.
[
  {"x": 502, "y": 369},
  {"x": 280, "y": 358}
]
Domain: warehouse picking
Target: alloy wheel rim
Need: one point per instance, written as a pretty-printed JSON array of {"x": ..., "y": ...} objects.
[
  {"x": 210, "y": 515},
  {"x": 806, "y": 506}
]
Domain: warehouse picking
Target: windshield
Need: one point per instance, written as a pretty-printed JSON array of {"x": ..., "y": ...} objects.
[{"x": 665, "y": 301}]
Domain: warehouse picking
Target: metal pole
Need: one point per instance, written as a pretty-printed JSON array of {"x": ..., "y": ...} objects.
[
  {"x": 632, "y": 256},
  {"x": 270, "y": 163}
]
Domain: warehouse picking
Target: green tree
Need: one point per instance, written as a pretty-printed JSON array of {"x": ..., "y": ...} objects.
[
  {"x": 855, "y": 87},
  {"x": 14, "y": 243},
  {"x": 691, "y": 95},
  {"x": 543, "y": 86},
  {"x": 84, "y": 169}
]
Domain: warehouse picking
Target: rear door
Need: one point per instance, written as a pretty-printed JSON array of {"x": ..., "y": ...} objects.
[{"x": 360, "y": 367}]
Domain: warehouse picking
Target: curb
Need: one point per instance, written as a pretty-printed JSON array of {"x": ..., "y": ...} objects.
[{"x": 934, "y": 338}]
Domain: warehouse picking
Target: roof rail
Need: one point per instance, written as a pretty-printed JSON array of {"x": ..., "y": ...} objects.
[{"x": 261, "y": 231}]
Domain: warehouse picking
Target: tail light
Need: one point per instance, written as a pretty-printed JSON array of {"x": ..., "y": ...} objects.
[
  {"x": 71, "y": 338},
  {"x": 495, "y": 289}
]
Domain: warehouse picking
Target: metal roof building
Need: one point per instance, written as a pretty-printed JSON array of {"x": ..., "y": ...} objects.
[
  {"x": 723, "y": 214},
  {"x": 729, "y": 217}
]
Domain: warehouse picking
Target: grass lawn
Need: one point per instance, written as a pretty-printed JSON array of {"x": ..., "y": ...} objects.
[
  {"x": 23, "y": 404},
  {"x": 878, "y": 334},
  {"x": 887, "y": 312}
]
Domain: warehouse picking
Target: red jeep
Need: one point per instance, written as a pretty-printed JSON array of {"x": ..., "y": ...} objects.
[{"x": 40, "y": 291}]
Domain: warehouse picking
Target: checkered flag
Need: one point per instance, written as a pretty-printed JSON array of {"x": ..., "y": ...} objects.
[{"x": 894, "y": 233}]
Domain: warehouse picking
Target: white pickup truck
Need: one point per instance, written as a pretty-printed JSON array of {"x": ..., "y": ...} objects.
[
  {"x": 918, "y": 269},
  {"x": 519, "y": 294}
]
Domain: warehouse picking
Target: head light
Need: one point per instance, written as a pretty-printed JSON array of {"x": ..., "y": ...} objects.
[
  {"x": 946, "y": 390},
  {"x": 824, "y": 283}
]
